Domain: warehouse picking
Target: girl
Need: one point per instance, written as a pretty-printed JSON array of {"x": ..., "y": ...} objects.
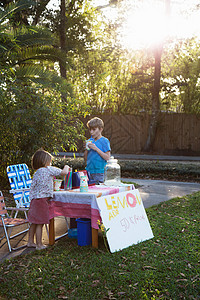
[{"x": 41, "y": 192}]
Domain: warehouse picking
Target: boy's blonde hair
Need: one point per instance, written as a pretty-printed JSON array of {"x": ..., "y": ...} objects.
[
  {"x": 40, "y": 159},
  {"x": 95, "y": 122}
]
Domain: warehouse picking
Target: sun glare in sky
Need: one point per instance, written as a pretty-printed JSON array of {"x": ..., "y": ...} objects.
[{"x": 149, "y": 22}]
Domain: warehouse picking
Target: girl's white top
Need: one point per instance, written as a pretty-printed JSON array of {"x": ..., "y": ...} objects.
[{"x": 42, "y": 183}]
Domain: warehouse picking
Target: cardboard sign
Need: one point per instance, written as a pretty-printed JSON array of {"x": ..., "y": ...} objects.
[{"x": 125, "y": 215}]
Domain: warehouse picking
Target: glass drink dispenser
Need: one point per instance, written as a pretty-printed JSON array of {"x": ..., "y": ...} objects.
[{"x": 112, "y": 172}]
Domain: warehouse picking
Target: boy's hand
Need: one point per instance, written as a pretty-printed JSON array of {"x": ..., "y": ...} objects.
[
  {"x": 84, "y": 145},
  {"x": 87, "y": 144},
  {"x": 92, "y": 146},
  {"x": 104, "y": 155}
]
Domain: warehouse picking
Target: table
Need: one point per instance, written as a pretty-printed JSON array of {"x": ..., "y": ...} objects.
[{"x": 74, "y": 204}]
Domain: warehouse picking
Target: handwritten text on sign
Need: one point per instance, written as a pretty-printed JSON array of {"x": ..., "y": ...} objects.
[{"x": 125, "y": 215}]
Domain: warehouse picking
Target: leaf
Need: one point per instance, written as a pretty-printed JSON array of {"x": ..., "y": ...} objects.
[
  {"x": 121, "y": 293},
  {"x": 95, "y": 282},
  {"x": 149, "y": 267},
  {"x": 181, "y": 280}
]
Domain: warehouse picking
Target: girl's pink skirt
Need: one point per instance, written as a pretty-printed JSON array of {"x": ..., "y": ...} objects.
[{"x": 39, "y": 211}]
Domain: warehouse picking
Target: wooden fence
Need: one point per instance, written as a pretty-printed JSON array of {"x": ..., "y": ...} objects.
[{"x": 177, "y": 134}]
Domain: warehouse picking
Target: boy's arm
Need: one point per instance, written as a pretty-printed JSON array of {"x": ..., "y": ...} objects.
[
  {"x": 85, "y": 156},
  {"x": 104, "y": 155},
  {"x": 85, "y": 152}
]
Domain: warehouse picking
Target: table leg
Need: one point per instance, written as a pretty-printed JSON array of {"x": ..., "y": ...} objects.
[
  {"x": 73, "y": 223},
  {"x": 51, "y": 232},
  {"x": 94, "y": 238}
]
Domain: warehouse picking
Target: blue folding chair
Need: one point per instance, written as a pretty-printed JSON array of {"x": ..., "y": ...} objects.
[{"x": 20, "y": 183}]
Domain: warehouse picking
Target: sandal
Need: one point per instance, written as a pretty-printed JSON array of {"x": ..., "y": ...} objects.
[{"x": 41, "y": 247}]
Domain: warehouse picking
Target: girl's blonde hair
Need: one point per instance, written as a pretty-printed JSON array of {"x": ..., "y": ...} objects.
[
  {"x": 41, "y": 158},
  {"x": 95, "y": 122}
]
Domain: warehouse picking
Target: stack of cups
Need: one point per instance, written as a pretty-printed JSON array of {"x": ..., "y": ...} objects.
[{"x": 83, "y": 184}]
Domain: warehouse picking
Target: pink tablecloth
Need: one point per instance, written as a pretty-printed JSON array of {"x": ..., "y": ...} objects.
[{"x": 74, "y": 204}]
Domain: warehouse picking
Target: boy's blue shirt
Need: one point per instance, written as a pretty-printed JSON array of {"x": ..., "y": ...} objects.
[{"x": 95, "y": 163}]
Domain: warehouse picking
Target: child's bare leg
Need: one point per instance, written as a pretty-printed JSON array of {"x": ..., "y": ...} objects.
[
  {"x": 31, "y": 234},
  {"x": 39, "y": 237}
]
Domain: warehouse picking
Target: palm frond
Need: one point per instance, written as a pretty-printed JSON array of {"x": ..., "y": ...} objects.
[
  {"x": 32, "y": 36},
  {"x": 39, "y": 75},
  {"x": 14, "y": 7},
  {"x": 44, "y": 53}
]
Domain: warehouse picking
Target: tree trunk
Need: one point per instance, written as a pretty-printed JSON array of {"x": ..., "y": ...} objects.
[
  {"x": 155, "y": 101},
  {"x": 63, "y": 35},
  {"x": 155, "y": 116},
  {"x": 41, "y": 5}
]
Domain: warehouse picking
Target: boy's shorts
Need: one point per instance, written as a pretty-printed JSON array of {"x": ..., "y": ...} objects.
[{"x": 97, "y": 177}]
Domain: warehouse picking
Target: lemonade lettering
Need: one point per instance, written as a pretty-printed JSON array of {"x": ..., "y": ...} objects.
[{"x": 116, "y": 202}]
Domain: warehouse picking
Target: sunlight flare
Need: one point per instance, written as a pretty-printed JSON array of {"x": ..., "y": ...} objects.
[{"x": 148, "y": 23}]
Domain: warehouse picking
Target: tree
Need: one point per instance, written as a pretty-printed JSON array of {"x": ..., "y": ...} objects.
[
  {"x": 32, "y": 113},
  {"x": 181, "y": 73},
  {"x": 62, "y": 31},
  {"x": 21, "y": 50},
  {"x": 155, "y": 113}
]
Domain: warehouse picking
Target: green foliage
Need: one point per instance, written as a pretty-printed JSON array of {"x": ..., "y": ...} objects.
[
  {"x": 27, "y": 52},
  {"x": 23, "y": 57},
  {"x": 75, "y": 163},
  {"x": 100, "y": 75},
  {"x": 145, "y": 169},
  {"x": 165, "y": 267},
  {"x": 81, "y": 26},
  {"x": 31, "y": 119},
  {"x": 107, "y": 80},
  {"x": 33, "y": 113},
  {"x": 159, "y": 169},
  {"x": 111, "y": 80},
  {"x": 104, "y": 76},
  {"x": 133, "y": 169},
  {"x": 181, "y": 88}
]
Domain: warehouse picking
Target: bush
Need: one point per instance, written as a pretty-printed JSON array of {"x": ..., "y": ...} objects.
[
  {"x": 75, "y": 164},
  {"x": 161, "y": 170},
  {"x": 134, "y": 169},
  {"x": 36, "y": 120},
  {"x": 141, "y": 169}
]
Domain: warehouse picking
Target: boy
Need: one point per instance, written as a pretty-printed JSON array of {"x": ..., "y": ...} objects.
[{"x": 99, "y": 150}]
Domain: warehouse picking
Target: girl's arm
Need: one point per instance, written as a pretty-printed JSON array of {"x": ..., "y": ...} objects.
[{"x": 65, "y": 170}]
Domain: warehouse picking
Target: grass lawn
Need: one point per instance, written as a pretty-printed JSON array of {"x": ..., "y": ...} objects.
[{"x": 165, "y": 267}]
